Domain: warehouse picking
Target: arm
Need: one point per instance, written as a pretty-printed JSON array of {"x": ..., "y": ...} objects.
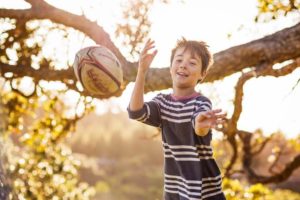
[
  {"x": 146, "y": 58},
  {"x": 207, "y": 120},
  {"x": 137, "y": 96},
  {"x": 145, "y": 112}
]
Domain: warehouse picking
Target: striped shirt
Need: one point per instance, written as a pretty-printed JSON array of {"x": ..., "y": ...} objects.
[{"x": 190, "y": 171}]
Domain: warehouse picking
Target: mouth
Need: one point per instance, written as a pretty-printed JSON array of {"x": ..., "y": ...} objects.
[{"x": 182, "y": 74}]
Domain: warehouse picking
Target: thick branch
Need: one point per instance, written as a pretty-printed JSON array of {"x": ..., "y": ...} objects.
[
  {"x": 246, "y": 139},
  {"x": 262, "y": 70},
  {"x": 278, "y": 47},
  {"x": 43, "y": 73},
  {"x": 262, "y": 146},
  {"x": 287, "y": 69},
  {"x": 275, "y": 48},
  {"x": 43, "y": 10},
  {"x": 234, "y": 156},
  {"x": 277, "y": 155},
  {"x": 231, "y": 125},
  {"x": 238, "y": 99}
]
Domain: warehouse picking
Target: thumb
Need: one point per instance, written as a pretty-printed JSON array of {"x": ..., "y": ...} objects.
[{"x": 203, "y": 115}]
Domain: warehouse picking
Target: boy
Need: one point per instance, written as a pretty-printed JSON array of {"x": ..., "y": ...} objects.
[{"x": 185, "y": 118}]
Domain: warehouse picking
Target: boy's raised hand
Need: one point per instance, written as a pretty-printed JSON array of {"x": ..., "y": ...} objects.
[
  {"x": 207, "y": 120},
  {"x": 146, "y": 57}
]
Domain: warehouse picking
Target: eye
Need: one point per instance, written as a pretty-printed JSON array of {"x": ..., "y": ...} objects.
[
  {"x": 193, "y": 63},
  {"x": 178, "y": 60}
]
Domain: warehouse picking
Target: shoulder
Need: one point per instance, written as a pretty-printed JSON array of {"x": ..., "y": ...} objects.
[
  {"x": 161, "y": 97},
  {"x": 203, "y": 102},
  {"x": 166, "y": 101},
  {"x": 203, "y": 99}
]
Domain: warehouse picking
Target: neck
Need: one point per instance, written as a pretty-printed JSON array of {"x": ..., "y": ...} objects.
[{"x": 177, "y": 92}]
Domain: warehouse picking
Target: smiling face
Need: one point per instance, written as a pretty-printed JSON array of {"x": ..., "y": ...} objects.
[{"x": 185, "y": 69}]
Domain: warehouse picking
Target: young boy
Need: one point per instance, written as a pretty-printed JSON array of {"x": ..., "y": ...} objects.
[{"x": 185, "y": 118}]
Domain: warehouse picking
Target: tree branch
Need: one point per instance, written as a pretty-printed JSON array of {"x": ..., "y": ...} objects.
[
  {"x": 238, "y": 99},
  {"x": 252, "y": 176},
  {"x": 231, "y": 125},
  {"x": 234, "y": 146},
  {"x": 278, "y": 47},
  {"x": 274, "y": 48},
  {"x": 262, "y": 146},
  {"x": 43, "y": 10},
  {"x": 44, "y": 73}
]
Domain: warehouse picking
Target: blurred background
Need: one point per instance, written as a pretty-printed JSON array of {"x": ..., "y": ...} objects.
[{"x": 58, "y": 142}]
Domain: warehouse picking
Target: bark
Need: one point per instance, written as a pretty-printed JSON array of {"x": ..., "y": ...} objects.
[
  {"x": 255, "y": 177},
  {"x": 278, "y": 47},
  {"x": 275, "y": 48},
  {"x": 250, "y": 150}
]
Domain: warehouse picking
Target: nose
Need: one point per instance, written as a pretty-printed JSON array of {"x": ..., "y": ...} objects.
[{"x": 182, "y": 65}]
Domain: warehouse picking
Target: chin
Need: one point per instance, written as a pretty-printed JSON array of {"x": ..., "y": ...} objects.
[{"x": 184, "y": 86}]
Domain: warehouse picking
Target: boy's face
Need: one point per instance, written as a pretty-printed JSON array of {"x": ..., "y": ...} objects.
[{"x": 185, "y": 69}]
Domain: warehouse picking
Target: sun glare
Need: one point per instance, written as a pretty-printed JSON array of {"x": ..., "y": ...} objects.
[{"x": 269, "y": 102}]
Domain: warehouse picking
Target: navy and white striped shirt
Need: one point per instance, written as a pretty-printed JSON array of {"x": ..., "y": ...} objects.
[{"x": 190, "y": 171}]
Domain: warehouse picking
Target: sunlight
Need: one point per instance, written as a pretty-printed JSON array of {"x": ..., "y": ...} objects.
[
  {"x": 269, "y": 103},
  {"x": 17, "y": 4}
]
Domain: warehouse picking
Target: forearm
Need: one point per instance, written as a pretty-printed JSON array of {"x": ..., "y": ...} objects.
[
  {"x": 201, "y": 131},
  {"x": 137, "y": 96}
]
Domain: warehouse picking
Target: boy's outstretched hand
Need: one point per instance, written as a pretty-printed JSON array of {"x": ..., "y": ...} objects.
[
  {"x": 146, "y": 57},
  {"x": 207, "y": 120}
]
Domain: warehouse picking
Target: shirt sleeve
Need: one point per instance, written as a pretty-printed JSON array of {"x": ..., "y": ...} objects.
[
  {"x": 202, "y": 105},
  {"x": 148, "y": 114}
]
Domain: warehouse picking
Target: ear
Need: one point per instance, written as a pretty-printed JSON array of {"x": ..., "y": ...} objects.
[{"x": 203, "y": 74}]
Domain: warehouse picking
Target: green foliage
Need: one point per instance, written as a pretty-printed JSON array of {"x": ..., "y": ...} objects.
[
  {"x": 273, "y": 9},
  {"x": 16, "y": 107},
  {"x": 236, "y": 190},
  {"x": 50, "y": 174},
  {"x": 136, "y": 24},
  {"x": 41, "y": 167}
]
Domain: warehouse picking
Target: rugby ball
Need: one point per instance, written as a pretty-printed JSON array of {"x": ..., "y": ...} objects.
[{"x": 98, "y": 70}]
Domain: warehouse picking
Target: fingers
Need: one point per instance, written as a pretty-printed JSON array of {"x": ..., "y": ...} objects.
[
  {"x": 148, "y": 46},
  {"x": 213, "y": 113},
  {"x": 147, "y": 55},
  {"x": 220, "y": 121},
  {"x": 206, "y": 114},
  {"x": 201, "y": 116},
  {"x": 216, "y": 123},
  {"x": 221, "y": 115},
  {"x": 212, "y": 118}
]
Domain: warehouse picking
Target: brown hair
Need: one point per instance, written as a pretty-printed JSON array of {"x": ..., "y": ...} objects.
[{"x": 198, "y": 48}]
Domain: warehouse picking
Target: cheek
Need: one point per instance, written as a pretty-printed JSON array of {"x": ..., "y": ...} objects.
[
  {"x": 197, "y": 73},
  {"x": 172, "y": 69}
]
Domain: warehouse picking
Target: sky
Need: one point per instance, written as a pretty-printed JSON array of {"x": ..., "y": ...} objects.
[{"x": 269, "y": 103}]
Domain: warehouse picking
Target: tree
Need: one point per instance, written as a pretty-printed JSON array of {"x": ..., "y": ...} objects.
[{"x": 252, "y": 59}]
